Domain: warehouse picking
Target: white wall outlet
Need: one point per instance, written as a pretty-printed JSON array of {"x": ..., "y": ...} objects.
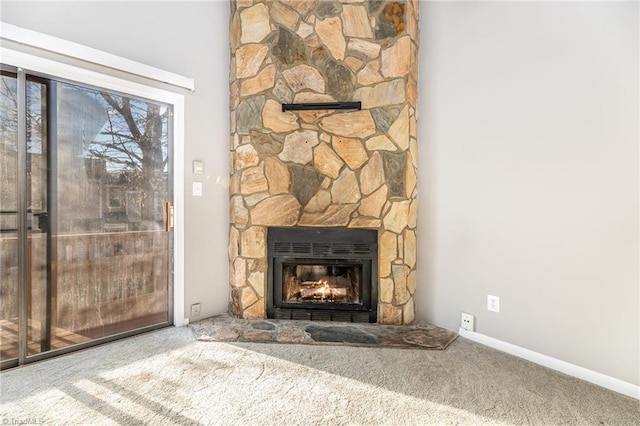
[
  {"x": 467, "y": 321},
  {"x": 195, "y": 310},
  {"x": 493, "y": 303}
]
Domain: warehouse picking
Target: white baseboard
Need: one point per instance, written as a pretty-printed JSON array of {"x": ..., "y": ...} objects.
[{"x": 608, "y": 382}]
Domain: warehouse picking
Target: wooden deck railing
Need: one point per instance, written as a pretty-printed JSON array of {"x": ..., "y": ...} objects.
[{"x": 98, "y": 280}]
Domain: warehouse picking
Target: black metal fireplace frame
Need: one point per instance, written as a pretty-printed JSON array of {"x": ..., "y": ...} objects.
[{"x": 323, "y": 246}]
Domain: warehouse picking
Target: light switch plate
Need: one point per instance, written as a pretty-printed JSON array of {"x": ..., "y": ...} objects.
[{"x": 197, "y": 189}]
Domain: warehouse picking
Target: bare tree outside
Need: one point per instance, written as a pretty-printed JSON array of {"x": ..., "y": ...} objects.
[
  {"x": 123, "y": 142},
  {"x": 137, "y": 133}
]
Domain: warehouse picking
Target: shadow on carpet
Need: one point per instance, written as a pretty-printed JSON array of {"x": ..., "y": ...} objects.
[{"x": 420, "y": 335}]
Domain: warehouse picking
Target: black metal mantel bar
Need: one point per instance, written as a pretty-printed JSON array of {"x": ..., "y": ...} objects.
[{"x": 321, "y": 105}]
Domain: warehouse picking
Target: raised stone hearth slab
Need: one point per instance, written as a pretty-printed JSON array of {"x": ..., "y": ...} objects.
[{"x": 420, "y": 335}]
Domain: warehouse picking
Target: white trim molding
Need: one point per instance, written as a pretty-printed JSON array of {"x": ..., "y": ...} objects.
[
  {"x": 64, "y": 71},
  {"x": 73, "y": 50},
  {"x": 608, "y": 382}
]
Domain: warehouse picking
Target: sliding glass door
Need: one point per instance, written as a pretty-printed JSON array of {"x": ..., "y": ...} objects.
[{"x": 85, "y": 190}]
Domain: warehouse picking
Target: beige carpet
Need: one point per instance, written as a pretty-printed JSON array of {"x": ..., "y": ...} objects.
[{"x": 168, "y": 377}]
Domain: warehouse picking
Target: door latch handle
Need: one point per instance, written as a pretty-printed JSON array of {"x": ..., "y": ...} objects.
[{"x": 170, "y": 216}]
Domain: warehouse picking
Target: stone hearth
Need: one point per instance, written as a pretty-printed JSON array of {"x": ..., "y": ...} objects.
[
  {"x": 324, "y": 168},
  {"x": 419, "y": 335}
]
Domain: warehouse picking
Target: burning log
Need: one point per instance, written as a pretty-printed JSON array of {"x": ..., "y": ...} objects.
[
  {"x": 323, "y": 293},
  {"x": 326, "y": 288}
]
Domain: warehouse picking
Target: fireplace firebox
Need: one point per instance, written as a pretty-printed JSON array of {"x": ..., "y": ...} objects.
[{"x": 322, "y": 274}]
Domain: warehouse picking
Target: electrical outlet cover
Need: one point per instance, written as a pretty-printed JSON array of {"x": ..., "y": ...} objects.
[
  {"x": 195, "y": 310},
  {"x": 493, "y": 303},
  {"x": 467, "y": 321}
]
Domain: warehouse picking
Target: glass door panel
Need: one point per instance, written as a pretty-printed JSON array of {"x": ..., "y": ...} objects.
[
  {"x": 38, "y": 297},
  {"x": 9, "y": 324},
  {"x": 109, "y": 184}
]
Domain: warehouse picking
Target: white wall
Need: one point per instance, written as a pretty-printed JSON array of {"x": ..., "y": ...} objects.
[
  {"x": 187, "y": 38},
  {"x": 528, "y": 132}
]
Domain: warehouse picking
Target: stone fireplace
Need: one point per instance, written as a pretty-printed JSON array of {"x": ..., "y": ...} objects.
[{"x": 324, "y": 168}]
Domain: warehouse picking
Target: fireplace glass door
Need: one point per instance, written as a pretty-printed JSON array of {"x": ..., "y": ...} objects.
[
  {"x": 323, "y": 274},
  {"x": 339, "y": 283}
]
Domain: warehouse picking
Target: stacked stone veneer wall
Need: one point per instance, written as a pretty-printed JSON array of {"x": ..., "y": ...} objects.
[{"x": 352, "y": 169}]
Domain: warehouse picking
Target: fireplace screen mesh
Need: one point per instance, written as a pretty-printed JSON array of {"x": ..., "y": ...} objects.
[{"x": 318, "y": 283}]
